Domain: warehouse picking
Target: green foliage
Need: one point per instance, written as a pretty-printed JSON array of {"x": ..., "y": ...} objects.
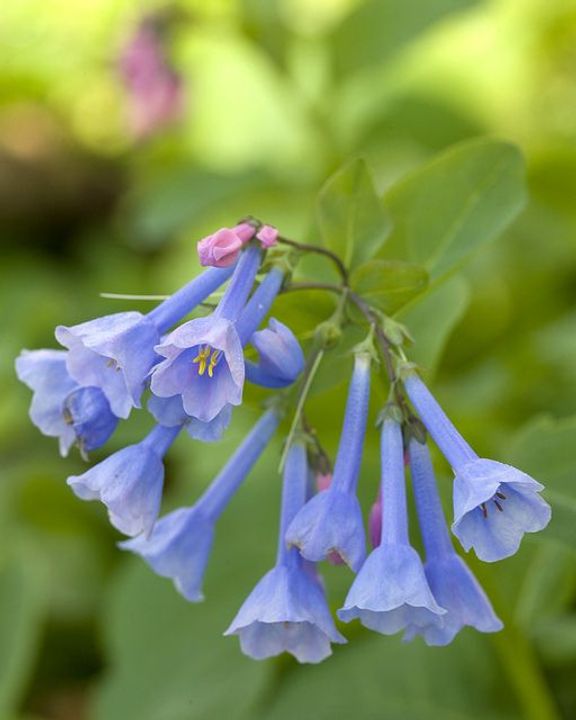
[
  {"x": 446, "y": 210},
  {"x": 389, "y": 284},
  {"x": 546, "y": 449},
  {"x": 352, "y": 221}
]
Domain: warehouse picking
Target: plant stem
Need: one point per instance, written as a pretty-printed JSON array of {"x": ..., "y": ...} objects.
[
  {"x": 309, "y": 374},
  {"x": 319, "y": 251}
]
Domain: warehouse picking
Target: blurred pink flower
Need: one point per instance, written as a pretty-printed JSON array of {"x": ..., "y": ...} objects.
[{"x": 154, "y": 90}]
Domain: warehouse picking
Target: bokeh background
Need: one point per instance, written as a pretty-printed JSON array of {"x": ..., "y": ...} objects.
[{"x": 275, "y": 95}]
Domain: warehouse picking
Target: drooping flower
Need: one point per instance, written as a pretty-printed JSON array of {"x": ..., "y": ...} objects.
[
  {"x": 331, "y": 522},
  {"x": 204, "y": 357},
  {"x": 287, "y": 610},
  {"x": 451, "y": 581},
  {"x": 116, "y": 352},
  {"x": 180, "y": 543},
  {"x": 60, "y": 407},
  {"x": 281, "y": 359},
  {"x": 268, "y": 236},
  {"x": 390, "y": 592},
  {"x": 129, "y": 482},
  {"x": 494, "y": 503},
  {"x": 154, "y": 90}
]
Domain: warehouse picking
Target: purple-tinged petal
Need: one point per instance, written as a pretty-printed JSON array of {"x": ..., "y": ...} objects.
[
  {"x": 178, "y": 548},
  {"x": 456, "y": 589},
  {"x": 129, "y": 482},
  {"x": 286, "y": 612},
  {"x": 494, "y": 505},
  {"x": 44, "y": 372},
  {"x": 330, "y": 524},
  {"x": 114, "y": 353},
  {"x": 205, "y": 389},
  {"x": 87, "y": 410},
  {"x": 391, "y": 592},
  {"x": 280, "y": 356}
]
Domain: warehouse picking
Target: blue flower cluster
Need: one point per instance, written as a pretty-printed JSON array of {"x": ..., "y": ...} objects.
[{"x": 194, "y": 374}]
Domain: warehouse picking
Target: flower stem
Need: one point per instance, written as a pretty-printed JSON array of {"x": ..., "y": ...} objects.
[{"x": 304, "y": 247}]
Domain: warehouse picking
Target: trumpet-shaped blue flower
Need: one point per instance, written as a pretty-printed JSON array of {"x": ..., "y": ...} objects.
[
  {"x": 281, "y": 359},
  {"x": 330, "y": 524},
  {"x": 115, "y": 353},
  {"x": 180, "y": 543},
  {"x": 390, "y": 592},
  {"x": 287, "y": 610},
  {"x": 452, "y": 583},
  {"x": 494, "y": 503},
  {"x": 204, "y": 360},
  {"x": 129, "y": 482},
  {"x": 60, "y": 407}
]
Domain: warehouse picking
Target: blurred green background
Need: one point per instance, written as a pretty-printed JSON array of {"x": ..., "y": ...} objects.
[{"x": 278, "y": 94}]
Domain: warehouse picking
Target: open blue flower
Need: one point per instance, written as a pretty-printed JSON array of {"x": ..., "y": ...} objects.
[
  {"x": 60, "y": 407},
  {"x": 180, "y": 543},
  {"x": 452, "y": 583},
  {"x": 281, "y": 359},
  {"x": 116, "y": 352},
  {"x": 391, "y": 593},
  {"x": 331, "y": 522},
  {"x": 204, "y": 360},
  {"x": 494, "y": 503},
  {"x": 129, "y": 482},
  {"x": 287, "y": 610}
]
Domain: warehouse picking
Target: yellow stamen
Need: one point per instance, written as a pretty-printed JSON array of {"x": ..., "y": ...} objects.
[
  {"x": 213, "y": 361},
  {"x": 202, "y": 358}
]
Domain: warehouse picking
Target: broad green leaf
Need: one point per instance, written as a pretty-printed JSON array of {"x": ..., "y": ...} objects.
[
  {"x": 546, "y": 449},
  {"x": 352, "y": 220},
  {"x": 21, "y": 614},
  {"x": 389, "y": 284},
  {"x": 379, "y": 28},
  {"x": 379, "y": 677},
  {"x": 447, "y": 209},
  {"x": 432, "y": 319}
]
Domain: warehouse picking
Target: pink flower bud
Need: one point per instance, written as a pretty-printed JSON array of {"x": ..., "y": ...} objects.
[
  {"x": 375, "y": 521},
  {"x": 245, "y": 231},
  {"x": 267, "y": 235},
  {"x": 323, "y": 482},
  {"x": 220, "y": 249}
]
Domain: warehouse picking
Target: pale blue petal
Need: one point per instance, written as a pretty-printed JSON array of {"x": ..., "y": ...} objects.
[{"x": 330, "y": 522}]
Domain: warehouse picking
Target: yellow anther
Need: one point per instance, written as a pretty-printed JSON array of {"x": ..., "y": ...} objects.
[
  {"x": 202, "y": 358},
  {"x": 213, "y": 361}
]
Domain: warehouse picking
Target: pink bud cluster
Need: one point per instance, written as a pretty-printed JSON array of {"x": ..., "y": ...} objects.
[{"x": 221, "y": 249}]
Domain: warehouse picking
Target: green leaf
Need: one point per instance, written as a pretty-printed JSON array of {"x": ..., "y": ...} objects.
[
  {"x": 389, "y": 284},
  {"x": 379, "y": 28},
  {"x": 384, "y": 678},
  {"x": 546, "y": 450},
  {"x": 21, "y": 613},
  {"x": 447, "y": 209},
  {"x": 432, "y": 319},
  {"x": 352, "y": 220}
]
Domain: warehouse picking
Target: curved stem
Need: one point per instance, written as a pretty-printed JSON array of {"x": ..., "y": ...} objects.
[{"x": 319, "y": 251}]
